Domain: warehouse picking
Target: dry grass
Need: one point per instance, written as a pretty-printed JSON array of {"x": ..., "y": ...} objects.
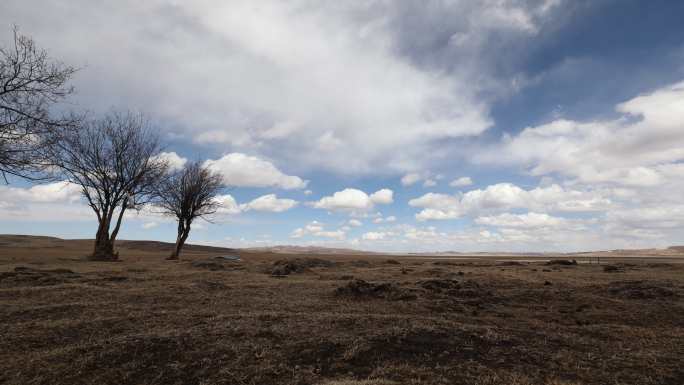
[{"x": 145, "y": 320}]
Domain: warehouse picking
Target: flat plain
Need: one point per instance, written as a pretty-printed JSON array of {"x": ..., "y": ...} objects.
[{"x": 334, "y": 319}]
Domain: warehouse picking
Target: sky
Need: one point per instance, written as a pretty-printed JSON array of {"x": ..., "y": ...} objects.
[{"x": 494, "y": 125}]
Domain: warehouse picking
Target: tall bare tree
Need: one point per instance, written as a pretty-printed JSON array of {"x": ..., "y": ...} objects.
[
  {"x": 188, "y": 194},
  {"x": 31, "y": 83},
  {"x": 114, "y": 161}
]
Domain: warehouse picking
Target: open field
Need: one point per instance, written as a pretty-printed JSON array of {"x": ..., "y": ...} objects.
[{"x": 333, "y": 319}]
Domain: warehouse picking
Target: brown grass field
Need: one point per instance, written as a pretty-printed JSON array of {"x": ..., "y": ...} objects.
[{"x": 332, "y": 319}]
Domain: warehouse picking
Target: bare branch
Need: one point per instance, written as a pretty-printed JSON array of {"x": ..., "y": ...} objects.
[
  {"x": 112, "y": 159},
  {"x": 187, "y": 195},
  {"x": 31, "y": 83}
]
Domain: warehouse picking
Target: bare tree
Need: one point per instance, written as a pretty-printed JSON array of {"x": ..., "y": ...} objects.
[
  {"x": 114, "y": 161},
  {"x": 30, "y": 85},
  {"x": 188, "y": 194}
]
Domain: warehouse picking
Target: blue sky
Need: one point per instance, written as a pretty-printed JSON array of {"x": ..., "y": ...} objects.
[{"x": 563, "y": 121}]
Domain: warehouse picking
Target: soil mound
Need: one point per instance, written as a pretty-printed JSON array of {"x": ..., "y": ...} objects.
[
  {"x": 439, "y": 285},
  {"x": 208, "y": 265},
  {"x": 611, "y": 269},
  {"x": 561, "y": 262},
  {"x": 298, "y": 265},
  {"x": 360, "y": 289}
]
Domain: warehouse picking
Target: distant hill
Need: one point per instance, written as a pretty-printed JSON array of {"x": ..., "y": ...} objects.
[
  {"x": 286, "y": 249},
  {"x": 37, "y": 241}
]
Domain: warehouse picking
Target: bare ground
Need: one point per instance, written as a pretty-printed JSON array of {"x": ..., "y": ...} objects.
[{"x": 336, "y": 320}]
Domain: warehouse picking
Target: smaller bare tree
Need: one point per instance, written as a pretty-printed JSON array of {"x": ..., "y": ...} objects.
[
  {"x": 188, "y": 194},
  {"x": 114, "y": 160},
  {"x": 31, "y": 84}
]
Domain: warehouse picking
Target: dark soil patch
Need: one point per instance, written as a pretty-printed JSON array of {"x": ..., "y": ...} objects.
[
  {"x": 298, "y": 265},
  {"x": 511, "y": 263},
  {"x": 360, "y": 289},
  {"x": 612, "y": 269},
  {"x": 208, "y": 265},
  {"x": 439, "y": 285},
  {"x": 641, "y": 290},
  {"x": 27, "y": 276},
  {"x": 562, "y": 262}
]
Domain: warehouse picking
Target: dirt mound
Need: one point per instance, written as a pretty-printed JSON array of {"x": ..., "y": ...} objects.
[
  {"x": 27, "y": 276},
  {"x": 641, "y": 290},
  {"x": 359, "y": 289},
  {"x": 561, "y": 262},
  {"x": 360, "y": 263},
  {"x": 444, "y": 263},
  {"x": 208, "y": 265},
  {"x": 612, "y": 269},
  {"x": 298, "y": 265},
  {"x": 392, "y": 262},
  {"x": 511, "y": 263},
  {"x": 439, "y": 285}
]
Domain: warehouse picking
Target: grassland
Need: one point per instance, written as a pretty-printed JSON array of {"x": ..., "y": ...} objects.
[{"x": 332, "y": 319}]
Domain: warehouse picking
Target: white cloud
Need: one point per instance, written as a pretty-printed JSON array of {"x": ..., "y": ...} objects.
[
  {"x": 242, "y": 170},
  {"x": 389, "y": 219},
  {"x": 317, "y": 229},
  {"x": 347, "y": 199},
  {"x": 373, "y": 236},
  {"x": 149, "y": 225},
  {"x": 382, "y": 197},
  {"x": 43, "y": 193},
  {"x": 313, "y": 76},
  {"x": 175, "y": 161},
  {"x": 354, "y": 200},
  {"x": 228, "y": 205},
  {"x": 355, "y": 223},
  {"x": 429, "y": 183},
  {"x": 630, "y": 150},
  {"x": 505, "y": 196},
  {"x": 461, "y": 182},
  {"x": 528, "y": 220},
  {"x": 308, "y": 192},
  {"x": 410, "y": 179},
  {"x": 57, "y": 201},
  {"x": 269, "y": 202}
]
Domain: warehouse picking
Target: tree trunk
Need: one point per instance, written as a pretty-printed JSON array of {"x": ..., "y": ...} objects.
[
  {"x": 104, "y": 247},
  {"x": 183, "y": 233}
]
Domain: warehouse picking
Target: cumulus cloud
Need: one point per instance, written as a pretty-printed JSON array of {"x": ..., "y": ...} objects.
[
  {"x": 528, "y": 220},
  {"x": 355, "y": 223},
  {"x": 382, "y": 197},
  {"x": 410, "y": 179},
  {"x": 242, "y": 170},
  {"x": 269, "y": 203},
  {"x": 631, "y": 150},
  {"x": 354, "y": 200},
  {"x": 505, "y": 196},
  {"x": 388, "y": 219},
  {"x": 461, "y": 182},
  {"x": 57, "y": 201},
  {"x": 227, "y": 205},
  {"x": 374, "y": 236},
  {"x": 317, "y": 229},
  {"x": 175, "y": 161},
  {"x": 342, "y": 76},
  {"x": 149, "y": 225},
  {"x": 44, "y": 193}
]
